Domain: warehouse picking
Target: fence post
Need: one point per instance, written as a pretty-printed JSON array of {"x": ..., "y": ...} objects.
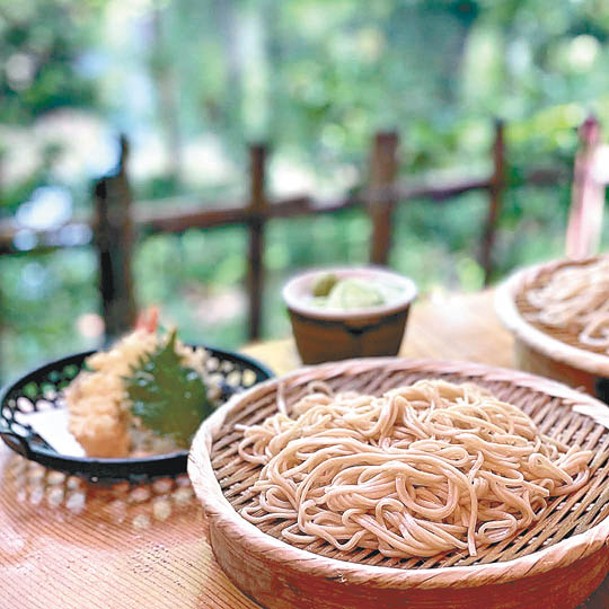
[
  {"x": 585, "y": 220},
  {"x": 114, "y": 236},
  {"x": 1, "y": 292},
  {"x": 381, "y": 201},
  {"x": 496, "y": 190},
  {"x": 257, "y": 218}
]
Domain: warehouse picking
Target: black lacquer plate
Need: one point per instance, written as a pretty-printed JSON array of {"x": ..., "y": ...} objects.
[{"x": 43, "y": 387}]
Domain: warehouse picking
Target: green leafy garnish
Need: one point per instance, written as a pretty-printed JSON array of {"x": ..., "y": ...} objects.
[{"x": 167, "y": 397}]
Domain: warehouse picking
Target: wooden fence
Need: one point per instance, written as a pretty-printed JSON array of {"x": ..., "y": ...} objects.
[{"x": 118, "y": 221}]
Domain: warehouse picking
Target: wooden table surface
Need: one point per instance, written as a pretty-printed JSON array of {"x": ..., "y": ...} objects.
[{"x": 70, "y": 544}]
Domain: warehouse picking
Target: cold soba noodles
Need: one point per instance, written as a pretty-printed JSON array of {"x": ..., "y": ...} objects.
[
  {"x": 421, "y": 470},
  {"x": 576, "y": 297}
]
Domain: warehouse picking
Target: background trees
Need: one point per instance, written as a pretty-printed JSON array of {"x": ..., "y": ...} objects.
[{"x": 191, "y": 82}]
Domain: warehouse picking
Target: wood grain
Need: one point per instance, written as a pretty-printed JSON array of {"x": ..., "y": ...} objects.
[{"x": 453, "y": 326}]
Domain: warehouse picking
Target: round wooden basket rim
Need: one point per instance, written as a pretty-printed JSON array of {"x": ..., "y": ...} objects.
[
  {"x": 221, "y": 512},
  {"x": 510, "y": 316}
]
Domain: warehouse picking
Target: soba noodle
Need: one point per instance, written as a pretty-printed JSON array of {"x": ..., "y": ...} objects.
[
  {"x": 420, "y": 470},
  {"x": 576, "y": 296}
]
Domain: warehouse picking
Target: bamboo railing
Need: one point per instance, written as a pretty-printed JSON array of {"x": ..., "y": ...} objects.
[{"x": 118, "y": 220}]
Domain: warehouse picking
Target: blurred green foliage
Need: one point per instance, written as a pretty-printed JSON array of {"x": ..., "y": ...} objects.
[
  {"x": 192, "y": 82},
  {"x": 40, "y": 42}
]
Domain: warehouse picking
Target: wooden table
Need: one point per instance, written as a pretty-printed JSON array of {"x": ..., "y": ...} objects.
[{"x": 68, "y": 544}]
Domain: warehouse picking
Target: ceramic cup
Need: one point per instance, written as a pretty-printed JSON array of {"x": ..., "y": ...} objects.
[{"x": 328, "y": 333}]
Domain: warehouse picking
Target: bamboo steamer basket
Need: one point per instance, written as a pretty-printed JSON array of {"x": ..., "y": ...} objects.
[
  {"x": 551, "y": 352},
  {"x": 554, "y": 564}
]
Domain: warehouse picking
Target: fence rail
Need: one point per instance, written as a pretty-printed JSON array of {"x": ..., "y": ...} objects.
[{"x": 118, "y": 220}]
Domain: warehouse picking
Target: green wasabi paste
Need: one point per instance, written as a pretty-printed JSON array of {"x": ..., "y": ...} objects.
[{"x": 351, "y": 293}]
